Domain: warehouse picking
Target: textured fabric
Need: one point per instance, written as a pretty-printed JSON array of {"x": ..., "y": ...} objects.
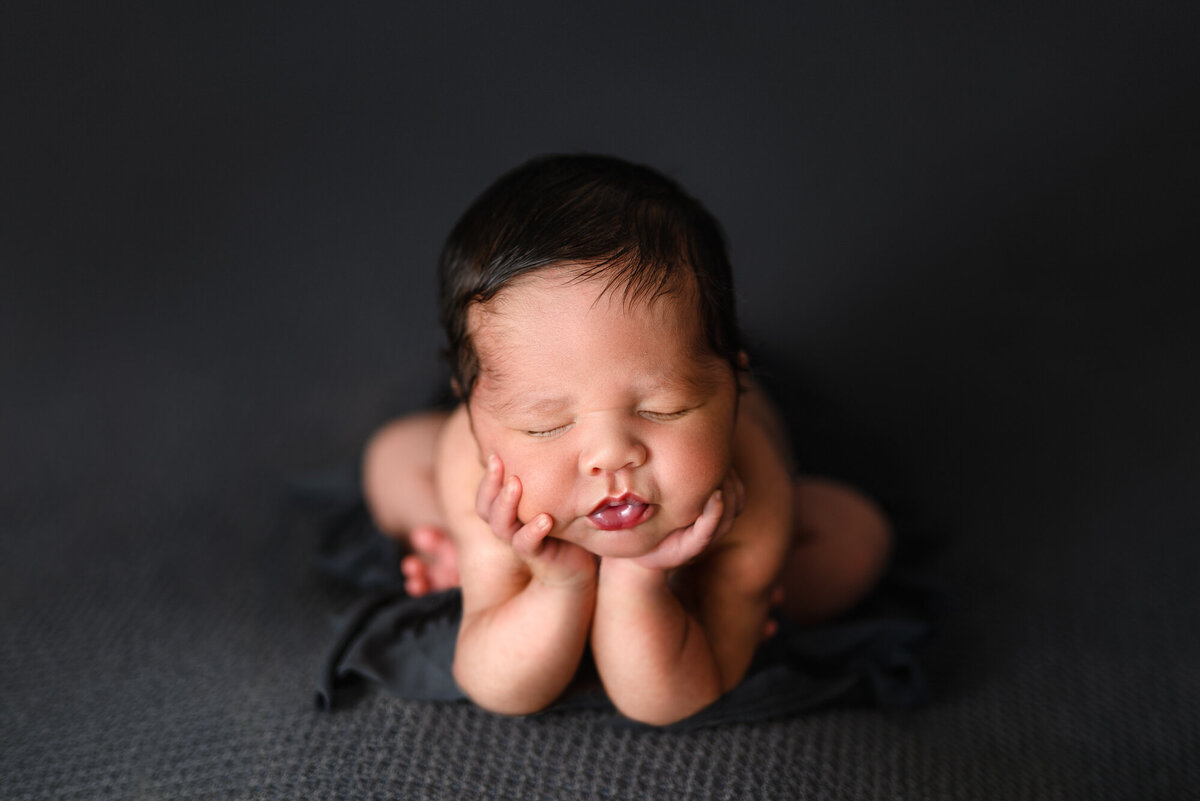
[{"x": 968, "y": 237}]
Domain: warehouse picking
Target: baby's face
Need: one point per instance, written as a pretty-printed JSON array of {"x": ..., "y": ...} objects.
[{"x": 616, "y": 417}]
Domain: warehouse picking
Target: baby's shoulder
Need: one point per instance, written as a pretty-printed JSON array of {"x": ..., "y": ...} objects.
[
  {"x": 752, "y": 553},
  {"x": 760, "y": 434},
  {"x": 761, "y": 455},
  {"x": 455, "y": 440},
  {"x": 457, "y": 468}
]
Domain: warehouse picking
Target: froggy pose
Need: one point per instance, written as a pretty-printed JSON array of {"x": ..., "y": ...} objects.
[{"x": 611, "y": 476}]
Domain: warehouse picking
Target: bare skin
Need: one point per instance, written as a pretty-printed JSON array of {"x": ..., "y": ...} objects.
[
  {"x": 610, "y": 486},
  {"x": 398, "y": 483},
  {"x": 841, "y": 543}
]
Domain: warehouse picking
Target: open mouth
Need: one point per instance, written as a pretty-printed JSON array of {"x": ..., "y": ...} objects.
[{"x": 617, "y": 513}]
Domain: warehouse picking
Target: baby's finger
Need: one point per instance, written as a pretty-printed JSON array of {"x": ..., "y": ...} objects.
[
  {"x": 503, "y": 515},
  {"x": 531, "y": 537},
  {"x": 684, "y": 544},
  {"x": 730, "y": 511},
  {"x": 734, "y": 491},
  {"x": 739, "y": 492},
  {"x": 489, "y": 487},
  {"x": 697, "y": 537},
  {"x": 709, "y": 521}
]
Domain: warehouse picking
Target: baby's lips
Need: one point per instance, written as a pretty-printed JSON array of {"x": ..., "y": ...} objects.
[
  {"x": 612, "y": 515},
  {"x": 617, "y": 500}
]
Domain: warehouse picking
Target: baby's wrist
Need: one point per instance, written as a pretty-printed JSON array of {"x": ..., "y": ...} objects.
[
  {"x": 629, "y": 574},
  {"x": 580, "y": 582},
  {"x": 556, "y": 576}
]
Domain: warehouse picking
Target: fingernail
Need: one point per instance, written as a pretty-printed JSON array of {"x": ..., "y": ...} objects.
[{"x": 543, "y": 522}]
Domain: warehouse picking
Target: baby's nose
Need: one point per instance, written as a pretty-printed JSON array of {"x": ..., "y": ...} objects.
[{"x": 611, "y": 449}]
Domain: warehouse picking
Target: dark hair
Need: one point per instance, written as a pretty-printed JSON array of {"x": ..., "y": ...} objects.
[{"x": 623, "y": 222}]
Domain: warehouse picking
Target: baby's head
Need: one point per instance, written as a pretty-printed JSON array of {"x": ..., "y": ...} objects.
[
  {"x": 589, "y": 310},
  {"x": 630, "y": 227}
]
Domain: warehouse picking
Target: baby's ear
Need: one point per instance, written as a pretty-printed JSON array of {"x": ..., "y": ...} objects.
[
  {"x": 456, "y": 388},
  {"x": 743, "y": 361}
]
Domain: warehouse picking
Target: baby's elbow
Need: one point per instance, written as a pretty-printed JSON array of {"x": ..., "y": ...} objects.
[
  {"x": 496, "y": 697},
  {"x": 665, "y": 708},
  {"x": 506, "y": 706},
  {"x": 661, "y": 714}
]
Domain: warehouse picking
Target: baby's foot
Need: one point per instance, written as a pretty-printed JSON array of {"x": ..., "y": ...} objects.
[
  {"x": 771, "y": 627},
  {"x": 432, "y": 565}
]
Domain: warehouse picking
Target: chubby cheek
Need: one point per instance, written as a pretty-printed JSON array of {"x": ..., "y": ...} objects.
[
  {"x": 546, "y": 483},
  {"x": 693, "y": 472},
  {"x": 540, "y": 492},
  {"x": 542, "y": 483}
]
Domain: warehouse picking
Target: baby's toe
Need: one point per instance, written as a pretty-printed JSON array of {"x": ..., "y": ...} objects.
[
  {"x": 426, "y": 539},
  {"x": 437, "y": 566},
  {"x": 444, "y": 574},
  {"x": 416, "y": 575}
]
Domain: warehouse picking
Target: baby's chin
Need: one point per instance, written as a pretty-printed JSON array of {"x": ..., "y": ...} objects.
[{"x": 627, "y": 543}]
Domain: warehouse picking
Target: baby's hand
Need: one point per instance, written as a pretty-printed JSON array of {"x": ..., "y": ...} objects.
[
  {"x": 552, "y": 561},
  {"x": 684, "y": 544}
]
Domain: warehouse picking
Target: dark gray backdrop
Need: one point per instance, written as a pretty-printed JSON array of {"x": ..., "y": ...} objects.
[{"x": 964, "y": 241}]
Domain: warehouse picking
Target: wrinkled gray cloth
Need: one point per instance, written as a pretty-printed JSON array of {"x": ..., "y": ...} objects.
[{"x": 406, "y": 644}]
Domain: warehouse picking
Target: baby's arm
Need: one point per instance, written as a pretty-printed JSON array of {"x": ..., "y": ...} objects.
[
  {"x": 654, "y": 657},
  {"x": 666, "y": 650},
  {"x": 527, "y": 601}
]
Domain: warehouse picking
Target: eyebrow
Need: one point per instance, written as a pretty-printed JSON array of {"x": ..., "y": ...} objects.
[
  {"x": 535, "y": 406},
  {"x": 691, "y": 383},
  {"x": 701, "y": 381}
]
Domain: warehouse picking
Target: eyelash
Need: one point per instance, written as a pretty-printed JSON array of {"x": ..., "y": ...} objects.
[
  {"x": 657, "y": 417},
  {"x": 664, "y": 417},
  {"x": 549, "y": 432}
]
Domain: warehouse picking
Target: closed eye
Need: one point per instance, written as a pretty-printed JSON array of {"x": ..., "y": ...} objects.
[
  {"x": 549, "y": 432},
  {"x": 663, "y": 417}
]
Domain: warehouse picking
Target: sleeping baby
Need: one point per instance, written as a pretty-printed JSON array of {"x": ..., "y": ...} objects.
[{"x": 611, "y": 476}]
